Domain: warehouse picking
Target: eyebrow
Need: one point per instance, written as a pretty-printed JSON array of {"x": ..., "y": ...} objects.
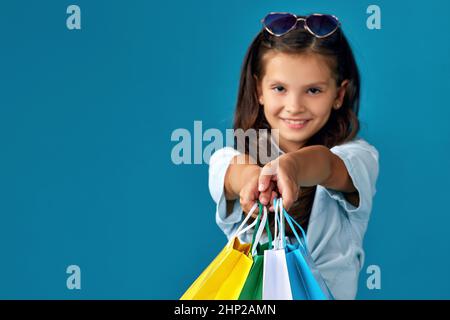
[{"x": 316, "y": 83}]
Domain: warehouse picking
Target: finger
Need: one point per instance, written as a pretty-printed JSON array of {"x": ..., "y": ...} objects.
[
  {"x": 264, "y": 197},
  {"x": 263, "y": 182},
  {"x": 273, "y": 196},
  {"x": 266, "y": 175},
  {"x": 289, "y": 193},
  {"x": 247, "y": 202}
]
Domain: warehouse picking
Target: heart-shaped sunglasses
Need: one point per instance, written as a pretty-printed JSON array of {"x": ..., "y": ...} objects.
[{"x": 319, "y": 25}]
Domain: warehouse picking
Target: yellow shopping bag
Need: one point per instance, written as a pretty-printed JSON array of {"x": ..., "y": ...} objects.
[{"x": 225, "y": 277}]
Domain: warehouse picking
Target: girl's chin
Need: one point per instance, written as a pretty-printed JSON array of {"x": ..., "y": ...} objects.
[
  {"x": 289, "y": 142},
  {"x": 291, "y": 146}
]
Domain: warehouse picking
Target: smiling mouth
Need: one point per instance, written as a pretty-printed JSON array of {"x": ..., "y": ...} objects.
[{"x": 295, "y": 124}]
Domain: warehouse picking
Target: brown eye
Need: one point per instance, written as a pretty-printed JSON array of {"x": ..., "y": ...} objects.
[
  {"x": 314, "y": 91},
  {"x": 278, "y": 88}
]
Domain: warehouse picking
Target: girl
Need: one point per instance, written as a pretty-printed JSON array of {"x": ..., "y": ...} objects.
[{"x": 299, "y": 76}]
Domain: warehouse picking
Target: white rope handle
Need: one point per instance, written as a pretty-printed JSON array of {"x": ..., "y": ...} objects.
[
  {"x": 260, "y": 230},
  {"x": 239, "y": 230},
  {"x": 275, "y": 234},
  {"x": 282, "y": 236}
]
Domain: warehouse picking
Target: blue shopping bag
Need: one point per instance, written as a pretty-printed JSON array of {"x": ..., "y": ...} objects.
[{"x": 304, "y": 277}]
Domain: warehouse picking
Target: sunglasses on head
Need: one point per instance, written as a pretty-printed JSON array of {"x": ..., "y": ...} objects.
[{"x": 319, "y": 25}]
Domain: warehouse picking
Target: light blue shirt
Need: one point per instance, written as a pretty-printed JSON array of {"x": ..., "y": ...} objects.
[{"x": 336, "y": 228}]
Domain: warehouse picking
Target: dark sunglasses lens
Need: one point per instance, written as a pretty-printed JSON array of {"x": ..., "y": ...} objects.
[
  {"x": 322, "y": 25},
  {"x": 280, "y": 23}
]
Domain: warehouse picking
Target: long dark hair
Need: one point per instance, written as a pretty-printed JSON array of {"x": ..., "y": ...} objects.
[{"x": 343, "y": 123}]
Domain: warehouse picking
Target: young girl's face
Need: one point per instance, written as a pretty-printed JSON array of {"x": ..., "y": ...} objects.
[{"x": 298, "y": 94}]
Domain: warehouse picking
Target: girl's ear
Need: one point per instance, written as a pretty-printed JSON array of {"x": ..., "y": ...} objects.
[
  {"x": 342, "y": 89},
  {"x": 259, "y": 90}
]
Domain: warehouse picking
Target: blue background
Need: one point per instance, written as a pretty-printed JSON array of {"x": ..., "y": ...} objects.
[{"x": 86, "y": 117}]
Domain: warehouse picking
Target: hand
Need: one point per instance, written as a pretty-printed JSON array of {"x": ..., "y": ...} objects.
[
  {"x": 281, "y": 173},
  {"x": 249, "y": 193}
]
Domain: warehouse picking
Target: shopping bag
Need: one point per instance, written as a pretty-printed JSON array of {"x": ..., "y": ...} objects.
[
  {"x": 225, "y": 276},
  {"x": 276, "y": 285},
  {"x": 252, "y": 289},
  {"x": 305, "y": 279}
]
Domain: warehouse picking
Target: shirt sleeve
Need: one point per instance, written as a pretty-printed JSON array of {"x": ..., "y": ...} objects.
[
  {"x": 361, "y": 161},
  {"x": 218, "y": 165}
]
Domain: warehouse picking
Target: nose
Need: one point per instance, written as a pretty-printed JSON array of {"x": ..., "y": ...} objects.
[{"x": 295, "y": 104}]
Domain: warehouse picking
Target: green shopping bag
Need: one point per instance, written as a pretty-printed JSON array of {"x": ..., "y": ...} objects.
[{"x": 252, "y": 289}]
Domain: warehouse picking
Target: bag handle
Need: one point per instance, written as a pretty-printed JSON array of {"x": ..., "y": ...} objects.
[
  {"x": 279, "y": 238},
  {"x": 269, "y": 234},
  {"x": 292, "y": 223},
  {"x": 262, "y": 223},
  {"x": 275, "y": 217},
  {"x": 258, "y": 223},
  {"x": 240, "y": 230},
  {"x": 259, "y": 228},
  {"x": 282, "y": 240}
]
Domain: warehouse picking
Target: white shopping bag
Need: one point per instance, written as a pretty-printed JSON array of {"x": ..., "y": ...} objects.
[{"x": 276, "y": 285}]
